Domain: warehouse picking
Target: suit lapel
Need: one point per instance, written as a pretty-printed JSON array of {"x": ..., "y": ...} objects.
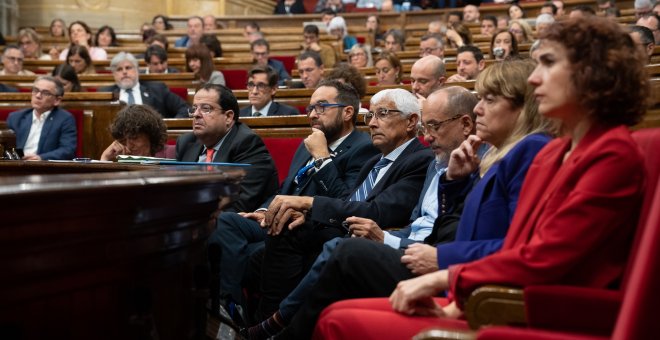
[
  {"x": 45, "y": 131},
  {"x": 24, "y": 124},
  {"x": 272, "y": 110},
  {"x": 146, "y": 95},
  {"x": 394, "y": 168},
  {"x": 223, "y": 152}
]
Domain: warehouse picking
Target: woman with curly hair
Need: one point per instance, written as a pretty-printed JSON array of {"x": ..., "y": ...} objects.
[{"x": 138, "y": 130}]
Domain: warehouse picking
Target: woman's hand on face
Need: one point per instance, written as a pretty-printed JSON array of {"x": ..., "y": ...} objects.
[{"x": 464, "y": 160}]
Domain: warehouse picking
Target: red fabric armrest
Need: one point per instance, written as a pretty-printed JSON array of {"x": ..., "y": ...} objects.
[{"x": 567, "y": 308}]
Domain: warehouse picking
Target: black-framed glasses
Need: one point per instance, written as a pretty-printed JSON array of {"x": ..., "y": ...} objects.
[
  {"x": 380, "y": 114},
  {"x": 260, "y": 86},
  {"x": 44, "y": 93},
  {"x": 427, "y": 50},
  {"x": 428, "y": 128},
  {"x": 320, "y": 107},
  {"x": 204, "y": 109}
]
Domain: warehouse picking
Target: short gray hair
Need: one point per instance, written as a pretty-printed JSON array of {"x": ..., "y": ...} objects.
[
  {"x": 121, "y": 56},
  {"x": 59, "y": 88},
  {"x": 544, "y": 18},
  {"x": 403, "y": 100}
]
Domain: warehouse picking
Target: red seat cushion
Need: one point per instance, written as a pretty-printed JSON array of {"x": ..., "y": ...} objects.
[
  {"x": 289, "y": 61},
  {"x": 181, "y": 92},
  {"x": 236, "y": 79},
  {"x": 282, "y": 151}
]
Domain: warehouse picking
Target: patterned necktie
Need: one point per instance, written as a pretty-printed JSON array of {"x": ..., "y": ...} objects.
[
  {"x": 209, "y": 155},
  {"x": 302, "y": 174},
  {"x": 131, "y": 99},
  {"x": 257, "y": 114},
  {"x": 365, "y": 189}
]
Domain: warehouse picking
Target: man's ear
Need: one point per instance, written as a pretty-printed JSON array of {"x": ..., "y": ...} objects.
[
  {"x": 348, "y": 113},
  {"x": 230, "y": 116},
  {"x": 482, "y": 65},
  {"x": 413, "y": 122},
  {"x": 468, "y": 124}
]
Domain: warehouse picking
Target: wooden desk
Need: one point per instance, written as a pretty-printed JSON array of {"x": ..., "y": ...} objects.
[{"x": 106, "y": 251}]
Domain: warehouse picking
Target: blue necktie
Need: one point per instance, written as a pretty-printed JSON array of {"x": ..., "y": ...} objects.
[
  {"x": 365, "y": 189},
  {"x": 302, "y": 174},
  {"x": 131, "y": 99}
]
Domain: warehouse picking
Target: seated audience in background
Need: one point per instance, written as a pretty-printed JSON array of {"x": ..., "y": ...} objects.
[
  {"x": 613, "y": 13},
  {"x": 312, "y": 43},
  {"x": 471, "y": 14},
  {"x": 67, "y": 75},
  {"x": 503, "y": 45},
  {"x": 427, "y": 75},
  {"x": 469, "y": 63},
  {"x": 310, "y": 69},
  {"x": 335, "y": 6},
  {"x": 652, "y": 22},
  {"x": 373, "y": 28},
  {"x": 199, "y": 62},
  {"x": 435, "y": 26},
  {"x": 213, "y": 44},
  {"x": 394, "y": 40},
  {"x": 560, "y": 8},
  {"x": 507, "y": 119},
  {"x": 156, "y": 59},
  {"x": 289, "y": 7},
  {"x": 129, "y": 90},
  {"x": 45, "y": 131},
  {"x": 349, "y": 74},
  {"x": 260, "y": 50},
  {"x": 581, "y": 11},
  {"x": 360, "y": 56},
  {"x": 549, "y": 8},
  {"x": 137, "y": 130},
  {"x": 389, "y": 70},
  {"x": 502, "y": 22},
  {"x": 337, "y": 28},
  {"x": 210, "y": 23},
  {"x": 656, "y": 8},
  {"x": 195, "y": 29},
  {"x": 488, "y": 25},
  {"x": 12, "y": 62},
  {"x": 642, "y": 7},
  {"x": 401, "y": 6},
  {"x": 579, "y": 205},
  {"x": 643, "y": 37},
  {"x": 543, "y": 21},
  {"x": 458, "y": 35},
  {"x": 453, "y": 17},
  {"x": 516, "y": 12},
  {"x": 57, "y": 28},
  {"x": 30, "y": 44},
  {"x": 158, "y": 39},
  {"x": 161, "y": 23},
  {"x": 6, "y": 88},
  {"x": 218, "y": 136},
  {"x": 251, "y": 30},
  {"x": 78, "y": 57},
  {"x": 522, "y": 31},
  {"x": 262, "y": 87},
  {"x": 145, "y": 27},
  {"x": 106, "y": 37},
  {"x": 81, "y": 35},
  {"x": 327, "y": 15},
  {"x": 431, "y": 44}
]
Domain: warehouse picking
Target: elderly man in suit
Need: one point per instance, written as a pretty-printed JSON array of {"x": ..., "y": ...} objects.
[
  {"x": 262, "y": 86},
  {"x": 326, "y": 163},
  {"x": 45, "y": 131},
  {"x": 218, "y": 136},
  {"x": 387, "y": 190},
  {"x": 130, "y": 91}
]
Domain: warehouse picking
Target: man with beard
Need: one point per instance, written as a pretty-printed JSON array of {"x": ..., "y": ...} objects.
[
  {"x": 326, "y": 163},
  {"x": 469, "y": 62},
  {"x": 445, "y": 127},
  {"x": 129, "y": 90}
]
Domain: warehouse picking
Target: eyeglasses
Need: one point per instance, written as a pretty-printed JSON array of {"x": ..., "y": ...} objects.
[
  {"x": 320, "y": 107},
  {"x": 428, "y": 128},
  {"x": 260, "y": 54},
  {"x": 260, "y": 86},
  {"x": 15, "y": 59},
  {"x": 204, "y": 109},
  {"x": 358, "y": 54},
  {"x": 381, "y": 114},
  {"x": 427, "y": 50},
  {"x": 44, "y": 93}
]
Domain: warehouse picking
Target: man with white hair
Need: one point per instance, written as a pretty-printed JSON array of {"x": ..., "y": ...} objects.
[
  {"x": 642, "y": 7},
  {"x": 543, "y": 21},
  {"x": 129, "y": 90},
  {"x": 652, "y": 22}
]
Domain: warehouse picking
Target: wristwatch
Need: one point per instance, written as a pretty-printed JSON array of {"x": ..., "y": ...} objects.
[{"x": 319, "y": 162}]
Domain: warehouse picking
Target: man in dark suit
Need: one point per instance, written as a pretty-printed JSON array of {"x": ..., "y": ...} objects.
[
  {"x": 387, "y": 190},
  {"x": 155, "y": 94},
  {"x": 156, "y": 58},
  {"x": 262, "y": 86},
  {"x": 260, "y": 50},
  {"x": 326, "y": 164},
  {"x": 218, "y": 136},
  {"x": 45, "y": 131}
]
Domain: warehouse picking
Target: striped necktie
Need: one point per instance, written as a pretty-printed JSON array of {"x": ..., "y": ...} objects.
[
  {"x": 131, "y": 98},
  {"x": 365, "y": 189}
]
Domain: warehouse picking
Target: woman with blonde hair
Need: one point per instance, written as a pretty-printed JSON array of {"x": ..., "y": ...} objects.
[
  {"x": 389, "y": 70},
  {"x": 360, "y": 56},
  {"x": 522, "y": 30},
  {"x": 30, "y": 44}
]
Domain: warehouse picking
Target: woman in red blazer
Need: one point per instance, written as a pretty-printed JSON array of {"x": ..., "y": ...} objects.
[{"x": 577, "y": 212}]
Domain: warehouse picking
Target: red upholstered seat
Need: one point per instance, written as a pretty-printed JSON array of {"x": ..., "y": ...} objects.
[
  {"x": 181, "y": 92},
  {"x": 236, "y": 79},
  {"x": 282, "y": 151}
]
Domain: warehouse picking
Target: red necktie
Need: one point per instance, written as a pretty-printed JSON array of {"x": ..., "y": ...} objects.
[{"x": 209, "y": 155}]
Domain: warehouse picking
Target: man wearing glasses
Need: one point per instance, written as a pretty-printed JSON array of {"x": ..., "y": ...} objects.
[
  {"x": 12, "y": 61},
  {"x": 386, "y": 191},
  {"x": 326, "y": 163},
  {"x": 262, "y": 86},
  {"x": 218, "y": 136},
  {"x": 45, "y": 131},
  {"x": 260, "y": 50},
  {"x": 431, "y": 44}
]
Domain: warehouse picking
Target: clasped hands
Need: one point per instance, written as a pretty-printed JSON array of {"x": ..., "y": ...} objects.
[{"x": 283, "y": 210}]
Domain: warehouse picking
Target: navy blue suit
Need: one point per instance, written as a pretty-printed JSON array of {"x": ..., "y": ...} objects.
[
  {"x": 278, "y": 67},
  {"x": 363, "y": 268},
  {"x": 58, "y": 136},
  {"x": 157, "y": 95},
  {"x": 275, "y": 109},
  {"x": 236, "y": 237},
  {"x": 289, "y": 256}
]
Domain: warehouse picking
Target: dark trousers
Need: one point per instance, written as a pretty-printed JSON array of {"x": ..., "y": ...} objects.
[
  {"x": 286, "y": 260},
  {"x": 358, "y": 268}
]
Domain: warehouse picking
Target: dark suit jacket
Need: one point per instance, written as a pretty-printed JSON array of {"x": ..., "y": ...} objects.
[
  {"x": 575, "y": 219},
  {"x": 391, "y": 201},
  {"x": 278, "y": 67},
  {"x": 337, "y": 177},
  {"x": 169, "y": 70},
  {"x": 275, "y": 109},
  {"x": 158, "y": 96},
  {"x": 241, "y": 145},
  {"x": 5, "y": 88},
  {"x": 58, "y": 136}
]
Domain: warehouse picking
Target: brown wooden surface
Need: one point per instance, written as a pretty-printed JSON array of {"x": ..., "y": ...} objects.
[
  {"x": 495, "y": 305},
  {"x": 105, "y": 255}
]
